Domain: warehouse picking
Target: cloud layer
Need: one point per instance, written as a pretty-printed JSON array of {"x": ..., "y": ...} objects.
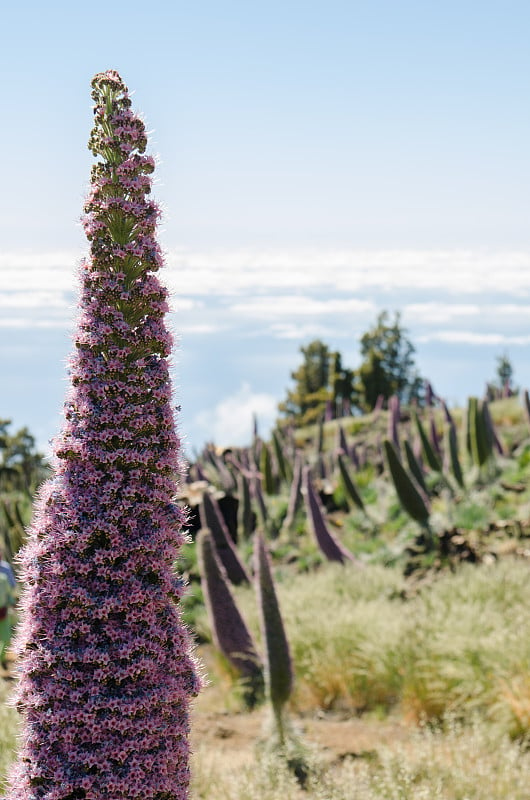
[
  {"x": 241, "y": 316},
  {"x": 445, "y": 295}
]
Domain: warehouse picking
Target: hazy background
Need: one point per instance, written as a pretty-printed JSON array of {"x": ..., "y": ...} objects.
[{"x": 319, "y": 162}]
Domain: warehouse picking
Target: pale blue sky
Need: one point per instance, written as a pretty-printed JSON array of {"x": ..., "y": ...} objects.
[{"x": 304, "y": 148}]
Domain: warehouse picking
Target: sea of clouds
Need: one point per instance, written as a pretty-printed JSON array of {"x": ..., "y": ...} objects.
[{"x": 241, "y": 315}]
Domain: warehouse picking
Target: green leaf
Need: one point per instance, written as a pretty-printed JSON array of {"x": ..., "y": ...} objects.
[
  {"x": 408, "y": 493},
  {"x": 349, "y": 485},
  {"x": 431, "y": 457}
]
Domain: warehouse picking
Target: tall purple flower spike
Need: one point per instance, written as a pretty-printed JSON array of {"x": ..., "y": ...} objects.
[
  {"x": 279, "y": 673},
  {"x": 212, "y": 520},
  {"x": 228, "y": 627},
  {"x": 107, "y": 670},
  {"x": 327, "y": 542}
]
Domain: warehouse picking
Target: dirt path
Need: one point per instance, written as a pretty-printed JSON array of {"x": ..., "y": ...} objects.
[{"x": 235, "y": 734}]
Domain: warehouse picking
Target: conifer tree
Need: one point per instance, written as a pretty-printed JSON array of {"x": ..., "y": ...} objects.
[
  {"x": 306, "y": 402},
  {"x": 106, "y": 666}
]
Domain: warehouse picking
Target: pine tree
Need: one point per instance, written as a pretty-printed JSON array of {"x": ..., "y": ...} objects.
[
  {"x": 106, "y": 666},
  {"x": 387, "y": 364}
]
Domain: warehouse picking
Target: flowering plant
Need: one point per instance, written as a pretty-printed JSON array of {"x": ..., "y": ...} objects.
[{"x": 106, "y": 665}]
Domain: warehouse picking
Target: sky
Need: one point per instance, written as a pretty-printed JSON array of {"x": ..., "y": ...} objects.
[{"x": 317, "y": 162}]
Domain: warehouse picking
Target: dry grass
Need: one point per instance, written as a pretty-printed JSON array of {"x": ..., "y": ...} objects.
[
  {"x": 455, "y": 764},
  {"x": 462, "y": 645}
]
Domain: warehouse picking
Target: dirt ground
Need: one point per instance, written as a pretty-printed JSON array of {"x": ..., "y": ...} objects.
[
  {"x": 235, "y": 735},
  {"x": 224, "y": 730}
]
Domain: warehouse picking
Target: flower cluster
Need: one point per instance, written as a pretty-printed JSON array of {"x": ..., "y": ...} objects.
[{"x": 106, "y": 665}]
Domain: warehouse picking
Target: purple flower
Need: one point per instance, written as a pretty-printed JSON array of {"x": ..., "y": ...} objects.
[{"x": 107, "y": 670}]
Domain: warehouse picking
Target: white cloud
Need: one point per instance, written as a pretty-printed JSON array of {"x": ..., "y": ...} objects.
[
  {"x": 438, "y": 312},
  {"x": 459, "y": 271},
  {"x": 291, "y": 330},
  {"x": 472, "y": 337},
  {"x": 230, "y": 421},
  {"x": 33, "y": 272},
  {"x": 230, "y": 272},
  {"x": 33, "y": 299},
  {"x": 483, "y": 315},
  {"x": 180, "y": 304},
  {"x": 280, "y": 285},
  {"x": 273, "y": 306},
  {"x": 510, "y": 310},
  {"x": 34, "y": 322},
  {"x": 185, "y": 328}
]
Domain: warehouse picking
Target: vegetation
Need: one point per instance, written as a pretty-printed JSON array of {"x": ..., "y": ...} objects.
[
  {"x": 22, "y": 467},
  {"x": 430, "y": 763},
  {"x": 433, "y": 631},
  {"x": 320, "y": 382},
  {"x": 371, "y": 565},
  {"x": 456, "y": 652},
  {"x": 105, "y": 661},
  {"x": 324, "y": 387},
  {"x": 227, "y": 626},
  {"x": 436, "y": 537},
  {"x": 459, "y": 646},
  {"x": 502, "y": 385},
  {"x": 22, "y": 470},
  {"x": 387, "y": 366}
]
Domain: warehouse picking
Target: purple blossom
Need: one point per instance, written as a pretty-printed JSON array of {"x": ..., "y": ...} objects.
[{"x": 106, "y": 667}]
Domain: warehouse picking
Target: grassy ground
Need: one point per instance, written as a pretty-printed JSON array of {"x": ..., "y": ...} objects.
[
  {"x": 453, "y": 765},
  {"x": 347, "y": 758},
  {"x": 361, "y": 643},
  {"x": 406, "y": 688},
  {"x": 372, "y": 661}
]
